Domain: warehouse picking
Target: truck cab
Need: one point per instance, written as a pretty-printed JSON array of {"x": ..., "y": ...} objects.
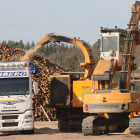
[{"x": 16, "y": 97}]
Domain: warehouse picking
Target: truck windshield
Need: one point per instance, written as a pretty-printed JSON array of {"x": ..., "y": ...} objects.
[
  {"x": 14, "y": 86},
  {"x": 109, "y": 43}
]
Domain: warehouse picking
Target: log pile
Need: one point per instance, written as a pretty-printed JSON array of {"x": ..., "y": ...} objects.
[
  {"x": 43, "y": 96},
  {"x": 9, "y": 54},
  {"x": 41, "y": 100}
]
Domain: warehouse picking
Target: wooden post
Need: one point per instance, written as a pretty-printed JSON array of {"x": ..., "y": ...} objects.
[{"x": 45, "y": 113}]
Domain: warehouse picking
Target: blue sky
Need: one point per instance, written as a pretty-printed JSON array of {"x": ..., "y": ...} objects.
[{"x": 29, "y": 20}]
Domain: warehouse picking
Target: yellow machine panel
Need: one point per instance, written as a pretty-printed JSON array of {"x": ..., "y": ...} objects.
[
  {"x": 79, "y": 89},
  {"x": 111, "y": 101},
  {"x": 107, "y": 96}
]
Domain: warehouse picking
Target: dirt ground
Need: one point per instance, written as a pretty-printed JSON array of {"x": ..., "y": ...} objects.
[{"x": 49, "y": 131}]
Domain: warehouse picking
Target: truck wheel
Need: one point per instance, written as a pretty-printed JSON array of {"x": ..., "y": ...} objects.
[{"x": 27, "y": 132}]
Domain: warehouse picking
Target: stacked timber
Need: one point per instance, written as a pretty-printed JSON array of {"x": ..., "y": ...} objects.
[
  {"x": 42, "y": 110},
  {"x": 42, "y": 78},
  {"x": 9, "y": 54}
]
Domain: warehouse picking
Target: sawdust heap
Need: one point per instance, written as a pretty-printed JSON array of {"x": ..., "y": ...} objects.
[
  {"x": 30, "y": 53},
  {"x": 126, "y": 131}
]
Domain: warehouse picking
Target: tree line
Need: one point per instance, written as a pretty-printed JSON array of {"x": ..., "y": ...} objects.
[
  {"x": 20, "y": 44},
  {"x": 66, "y": 55}
]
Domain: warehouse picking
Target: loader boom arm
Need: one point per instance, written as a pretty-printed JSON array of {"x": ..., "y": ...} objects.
[
  {"x": 131, "y": 41},
  {"x": 89, "y": 60}
]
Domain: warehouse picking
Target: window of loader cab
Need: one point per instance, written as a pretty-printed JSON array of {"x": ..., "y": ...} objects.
[
  {"x": 122, "y": 43},
  {"x": 109, "y": 43}
]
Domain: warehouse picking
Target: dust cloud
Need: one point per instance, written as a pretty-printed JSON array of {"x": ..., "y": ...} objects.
[{"x": 30, "y": 53}]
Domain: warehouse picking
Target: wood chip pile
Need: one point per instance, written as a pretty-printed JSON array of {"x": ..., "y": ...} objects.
[{"x": 45, "y": 68}]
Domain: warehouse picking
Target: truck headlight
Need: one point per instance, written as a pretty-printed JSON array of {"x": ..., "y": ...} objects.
[
  {"x": 28, "y": 116},
  {"x": 29, "y": 104}
]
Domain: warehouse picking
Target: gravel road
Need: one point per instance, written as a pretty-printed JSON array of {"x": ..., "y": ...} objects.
[{"x": 49, "y": 131}]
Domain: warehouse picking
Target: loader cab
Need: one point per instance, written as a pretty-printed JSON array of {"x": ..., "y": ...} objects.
[{"x": 112, "y": 44}]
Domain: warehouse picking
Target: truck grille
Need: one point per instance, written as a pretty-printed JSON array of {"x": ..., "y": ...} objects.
[
  {"x": 9, "y": 117},
  {"x": 10, "y": 124},
  {"x": 8, "y": 110}
]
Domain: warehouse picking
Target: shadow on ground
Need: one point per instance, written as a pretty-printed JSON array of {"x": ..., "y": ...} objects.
[
  {"x": 46, "y": 130},
  {"x": 9, "y": 133},
  {"x": 43, "y": 130}
]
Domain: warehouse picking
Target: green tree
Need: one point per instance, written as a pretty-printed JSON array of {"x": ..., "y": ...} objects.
[
  {"x": 17, "y": 45},
  {"x": 46, "y": 49},
  {"x": 97, "y": 43},
  {"x": 71, "y": 62},
  {"x": 21, "y": 44},
  {"x": 32, "y": 44},
  {"x": 11, "y": 43},
  {"x": 42, "y": 49},
  {"x": 4, "y": 42},
  {"x": 27, "y": 46}
]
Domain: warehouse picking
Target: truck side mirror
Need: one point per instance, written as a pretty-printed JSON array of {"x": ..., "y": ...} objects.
[{"x": 35, "y": 87}]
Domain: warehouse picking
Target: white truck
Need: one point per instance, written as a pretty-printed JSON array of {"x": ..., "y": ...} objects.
[{"x": 16, "y": 97}]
